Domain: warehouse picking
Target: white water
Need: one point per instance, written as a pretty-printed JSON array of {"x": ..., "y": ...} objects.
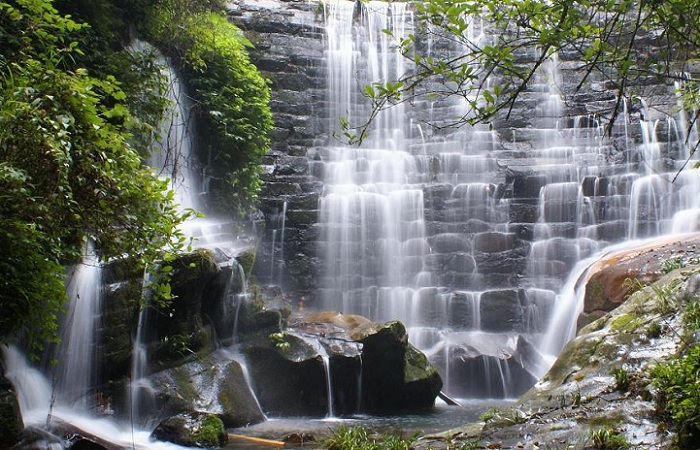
[
  {"x": 34, "y": 395},
  {"x": 77, "y": 369},
  {"x": 395, "y": 247}
]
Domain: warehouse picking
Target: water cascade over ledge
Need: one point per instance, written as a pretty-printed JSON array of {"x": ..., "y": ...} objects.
[{"x": 468, "y": 235}]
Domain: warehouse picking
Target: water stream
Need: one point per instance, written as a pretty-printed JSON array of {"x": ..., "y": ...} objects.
[{"x": 77, "y": 364}]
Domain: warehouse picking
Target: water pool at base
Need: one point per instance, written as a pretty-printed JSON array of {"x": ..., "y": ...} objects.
[{"x": 439, "y": 419}]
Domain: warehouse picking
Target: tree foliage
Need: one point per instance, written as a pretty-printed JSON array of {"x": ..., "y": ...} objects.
[
  {"x": 67, "y": 170},
  {"x": 503, "y": 44},
  {"x": 232, "y": 98}
]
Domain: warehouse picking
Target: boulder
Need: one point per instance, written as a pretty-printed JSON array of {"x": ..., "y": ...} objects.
[
  {"x": 192, "y": 430},
  {"x": 370, "y": 367},
  {"x": 612, "y": 279},
  {"x": 395, "y": 376},
  {"x": 180, "y": 329},
  {"x": 215, "y": 384}
]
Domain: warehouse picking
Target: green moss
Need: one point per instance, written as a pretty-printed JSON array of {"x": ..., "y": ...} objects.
[
  {"x": 247, "y": 260},
  {"x": 607, "y": 438},
  {"x": 210, "y": 432},
  {"x": 193, "y": 266},
  {"x": 417, "y": 366},
  {"x": 185, "y": 386},
  {"x": 625, "y": 323}
]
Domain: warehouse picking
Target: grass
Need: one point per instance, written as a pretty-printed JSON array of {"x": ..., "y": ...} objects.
[{"x": 360, "y": 438}]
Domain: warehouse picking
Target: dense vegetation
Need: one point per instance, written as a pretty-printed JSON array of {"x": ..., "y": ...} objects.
[
  {"x": 78, "y": 113},
  {"x": 232, "y": 98},
  {"x": 678, "y": 397}
]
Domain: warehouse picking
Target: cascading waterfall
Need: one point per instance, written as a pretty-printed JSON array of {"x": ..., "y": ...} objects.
[
  {"x": 468, "y": 236},
  {"x": 140, "y": 389},
  {"x": 75, "y": 398},
  {"x": 77, "y": 365},
  {"x": 373, "y": 232}
]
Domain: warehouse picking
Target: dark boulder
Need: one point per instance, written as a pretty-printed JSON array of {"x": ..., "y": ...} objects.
[
  {"x": 371, "y": 367},
  {"x": 215, "y": 383},
  {"x": 10, "y": 416}
]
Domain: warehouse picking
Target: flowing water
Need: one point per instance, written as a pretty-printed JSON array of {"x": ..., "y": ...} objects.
[
  {"x": 481, "y": 253},
  {"x": 465, "y": 237},
  {"x": 77, "y": 365}
]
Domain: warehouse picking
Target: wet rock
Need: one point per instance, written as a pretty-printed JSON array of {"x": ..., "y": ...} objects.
[
  {"x": 579, "y": 393},
  {"x": 180, "y": 329},
  {"x": 291, "y": 369},
  {"x": 613, "y": 279},
  {"x": 494, "y": 242},
  {"x": 192, "y": 430},
  {"x": 216, "y": 384},
  {"x": 10, "y": 416}
]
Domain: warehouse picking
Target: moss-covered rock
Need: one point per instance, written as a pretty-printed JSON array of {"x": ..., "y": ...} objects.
[
  {"x": 215, "y": 383},
  {"x": 192, "y": 430}
]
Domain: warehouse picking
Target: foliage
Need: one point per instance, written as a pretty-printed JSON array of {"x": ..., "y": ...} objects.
[
  {"x": 654, "y": 330},
  {"x": 232, "y": 99},
  {"x": 622, "y": 44},
  {"x": 607, "y": 438},
  {"x": 359, "y": 438},
  {"x": 622, "y": 382},
  {"x": 678, "y": 397},
  {"x": 691, "y": 315},
  {"x": 280, "y": 340},
  {"x": 68, "y": 171}
]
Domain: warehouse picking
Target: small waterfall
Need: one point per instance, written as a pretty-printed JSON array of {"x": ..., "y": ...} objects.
[
  {"x": 77, "y": 360},
  {"x": 173, "y": 153},
  {"x": 238, "y": 298},
  {"x": 141, "y": 391},
  {"x": 34, "y": 392},
  {"x": 329, "y": 383}
]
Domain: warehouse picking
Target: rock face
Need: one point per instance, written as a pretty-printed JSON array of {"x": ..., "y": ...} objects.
[
  {"x": 180, "y": 338},
  {"x": 503, "y": 213},
  {"x": 215, "y": 383},
  {"x": 612, "y": 280},
  {"x": 370, "y": 368},
  {"x": 192, "y": 430}
]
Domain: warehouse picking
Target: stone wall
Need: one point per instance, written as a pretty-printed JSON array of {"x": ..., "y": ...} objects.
[
  {"x": 472, "y": 246},
  {"x": 288, "y": 39}
]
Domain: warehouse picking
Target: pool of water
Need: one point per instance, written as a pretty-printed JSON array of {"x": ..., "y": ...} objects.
[{"x": 441, "y": 418}]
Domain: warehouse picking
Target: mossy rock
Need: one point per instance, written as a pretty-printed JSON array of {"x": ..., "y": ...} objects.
[
  {"x": 247, "y": 261},
  {"x": 193, "y": 267},
  {"x": 192, "y": 430}
]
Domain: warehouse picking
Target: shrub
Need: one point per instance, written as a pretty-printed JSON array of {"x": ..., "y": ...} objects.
[{"x": 678, "y": 399}]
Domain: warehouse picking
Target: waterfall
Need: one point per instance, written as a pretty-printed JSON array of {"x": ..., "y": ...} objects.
[
  {"x": 140, "y": 389},
  {"x": 77, "y": 360},
  {"x": 469, "y": 235},
  {"x": 172, "y": 155}
]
